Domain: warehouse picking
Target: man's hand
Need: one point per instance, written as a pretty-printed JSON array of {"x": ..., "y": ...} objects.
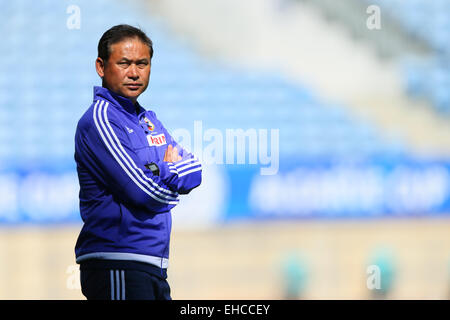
[{"x": 171, "y": 154}]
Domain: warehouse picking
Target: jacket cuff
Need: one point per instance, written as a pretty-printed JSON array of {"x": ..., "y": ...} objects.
[{"x": 168, "y": 173}]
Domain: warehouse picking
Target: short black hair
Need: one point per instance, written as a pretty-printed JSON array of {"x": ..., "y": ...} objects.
[{"x": 119, "y": 33}]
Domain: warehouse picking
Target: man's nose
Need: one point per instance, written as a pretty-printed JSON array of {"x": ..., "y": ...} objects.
[{"x": 132, "y": 72}]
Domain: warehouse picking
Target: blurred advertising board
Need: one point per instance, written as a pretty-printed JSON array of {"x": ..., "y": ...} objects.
[{"x": 309, "y": 189}]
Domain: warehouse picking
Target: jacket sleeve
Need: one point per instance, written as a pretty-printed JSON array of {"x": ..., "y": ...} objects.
[
  {"x": 105, "y": 150},
  {"x": 184, "y": 175}
]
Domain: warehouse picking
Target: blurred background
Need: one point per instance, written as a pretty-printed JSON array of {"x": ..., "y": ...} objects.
[{"x": 359, "y": 206}]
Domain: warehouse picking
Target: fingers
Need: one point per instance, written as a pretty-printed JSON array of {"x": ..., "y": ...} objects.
[
  {"x": 167, "y": 153},
  {"x": 174, "y": 154},
  {"x": 171, "y": 154}
]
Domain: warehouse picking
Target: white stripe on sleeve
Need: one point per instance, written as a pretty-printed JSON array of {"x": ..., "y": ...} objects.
[
  {"x": 185, "y": 162},
  {"x": 189, "y": 171}
]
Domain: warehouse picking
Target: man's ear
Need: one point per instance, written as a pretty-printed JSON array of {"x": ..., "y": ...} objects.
[{"x": 100, "y": 67}]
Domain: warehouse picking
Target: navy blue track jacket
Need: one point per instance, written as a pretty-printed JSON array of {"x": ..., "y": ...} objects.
[{"x": 124, "y": 205}]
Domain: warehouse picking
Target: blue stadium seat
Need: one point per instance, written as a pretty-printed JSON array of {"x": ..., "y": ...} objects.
[
  {"x": 430, "y": 21},
  {"x": 184, "y": 87}
]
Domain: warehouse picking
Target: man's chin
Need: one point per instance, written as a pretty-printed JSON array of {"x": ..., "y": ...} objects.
[{"x": 132, "y": 94}]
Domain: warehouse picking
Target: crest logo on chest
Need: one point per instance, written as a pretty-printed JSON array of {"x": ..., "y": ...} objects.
[{"x": 149, "y": 124}]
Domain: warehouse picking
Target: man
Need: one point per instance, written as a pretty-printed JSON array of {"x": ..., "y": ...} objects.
[{"x": 131, "y": 173}]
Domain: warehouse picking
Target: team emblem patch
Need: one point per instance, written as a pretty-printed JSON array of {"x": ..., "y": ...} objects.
[{"x": 150, "y": 125}]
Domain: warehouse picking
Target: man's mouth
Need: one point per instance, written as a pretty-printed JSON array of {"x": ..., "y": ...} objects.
[{"x": 133, "y": 86}]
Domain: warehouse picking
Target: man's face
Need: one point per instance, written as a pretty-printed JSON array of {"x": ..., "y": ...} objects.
[{"x": 127, "y": 70}]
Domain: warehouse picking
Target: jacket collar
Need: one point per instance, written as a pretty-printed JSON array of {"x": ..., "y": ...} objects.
[{"x": 118, "y": 100}]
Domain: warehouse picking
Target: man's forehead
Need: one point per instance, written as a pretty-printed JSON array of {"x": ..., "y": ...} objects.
[{"x": 130, "y": 48}]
